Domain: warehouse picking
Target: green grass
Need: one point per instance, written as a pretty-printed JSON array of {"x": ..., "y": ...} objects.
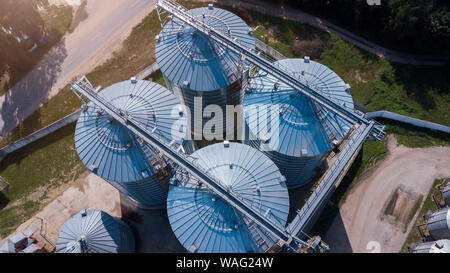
[
  {"x": 415, "y": 137},
  {"x": 58, "y": 19},
  {"x": 428, "y": 205},
  {"x": 157, "y": 77},
  {"x": 45, "y": 164},
  {"x": 53, "y": 161}
]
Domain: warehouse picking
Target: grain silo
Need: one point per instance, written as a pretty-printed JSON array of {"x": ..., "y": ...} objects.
[
  {"x": 438, "y": 224},
  {"x": 110, "y": 150},
  {"x": 296, "y": 133},
  {"x": 93, "y": 231},
  {"x": 205, "y": 223},
  {"x": 441, "y": 246},
  {"x": 446, "y": 193},
  {"x": 196, "y": 67}
]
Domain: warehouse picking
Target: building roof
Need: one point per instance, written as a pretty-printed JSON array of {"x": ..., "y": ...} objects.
[
  {"x": 441, "y": 246},
  {"x": 109, "y": 149},
  {"x": 187, "y": 56},
  {"x": 8, "y": 247},
  {"x": 205, "y": 223},
  {"x": 302, "y": 128}
]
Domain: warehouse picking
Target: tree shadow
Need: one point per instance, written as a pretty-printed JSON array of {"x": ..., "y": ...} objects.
[
  {"x": 29, "y": 93},
  {"x": 420, "y": 81}
]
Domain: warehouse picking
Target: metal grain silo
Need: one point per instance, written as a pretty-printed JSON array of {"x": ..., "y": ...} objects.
[
  {"x": 194, "y": 66},
  {"x": 446, "y": 193},
  {"x": 441, "y": 246},
  {"x": 94, "y": 231},
  {"x": 205, "y": 223},
  {"x": 111, "y": 151},
  {"x": 438, "y": 224},
  {"x": 296, "y": 134}
]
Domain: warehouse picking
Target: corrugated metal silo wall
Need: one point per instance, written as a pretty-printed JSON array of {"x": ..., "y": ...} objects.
[
  {"x": 297, "y": 170},
  {"x": 127, "y": 240},
  {"x": 231, "y": 95},
  {"x": 438, "y": 224},
  {"x": 446, "y": 193}
]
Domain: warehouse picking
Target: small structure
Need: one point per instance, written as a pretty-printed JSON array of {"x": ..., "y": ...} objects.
[
  {"x": 93, "y": 231},
  {"x": 4, "y": 186},
  {"x": 441, "y": 246},
  {"x": 22, "y": 242}
]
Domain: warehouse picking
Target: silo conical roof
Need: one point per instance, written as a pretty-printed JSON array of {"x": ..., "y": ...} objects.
[
  {"x": 108, "y": 148},
  {"x": 187, "y": 56},
  {"x": 93, "y": 231},
  {"x": 205, "y": 223},
  {"x": 297, "y": 133}
]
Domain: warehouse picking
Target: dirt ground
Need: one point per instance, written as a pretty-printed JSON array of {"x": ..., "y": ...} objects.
[
  {"x": 151, "y": 228},
  {"x": 100, "y": 11},
  {"x": 88, "y": 192},
  {"x": 358, "y": 227}
]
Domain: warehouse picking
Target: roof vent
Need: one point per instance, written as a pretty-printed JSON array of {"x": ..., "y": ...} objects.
[
  {"x": 84, "y": 213},
  {"x": 304, "y": 151},
  {"x": 94, "y": 168},
  {"x": 250, "y": 30},
  {"x": 307, "y": 59},
  {"x": 210, "y": 6},
  {"x": 133, "y": 80},
  {"x": 265, "y": 139},
  {"x": 173, "y": 181},
  {"x": 145, "y": 173},
  {"x": 347, "y": 87},
  {"x": 226, "y": 144},
  {"x": 275, "y": 86},
  {"x": 186, "y": 83},
  {"x": 193, "y": 248},
  {"x": 157, "y": 38}
]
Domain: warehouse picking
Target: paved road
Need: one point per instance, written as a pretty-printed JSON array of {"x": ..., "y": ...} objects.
[
  {"x": 108, "y": 24},
  {"x": 303, "y": 17}
]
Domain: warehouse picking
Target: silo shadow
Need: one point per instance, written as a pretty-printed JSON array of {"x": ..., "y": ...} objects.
[
  {"x": 151, "y": 229},
  {"x": 337, "y": 237}
]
